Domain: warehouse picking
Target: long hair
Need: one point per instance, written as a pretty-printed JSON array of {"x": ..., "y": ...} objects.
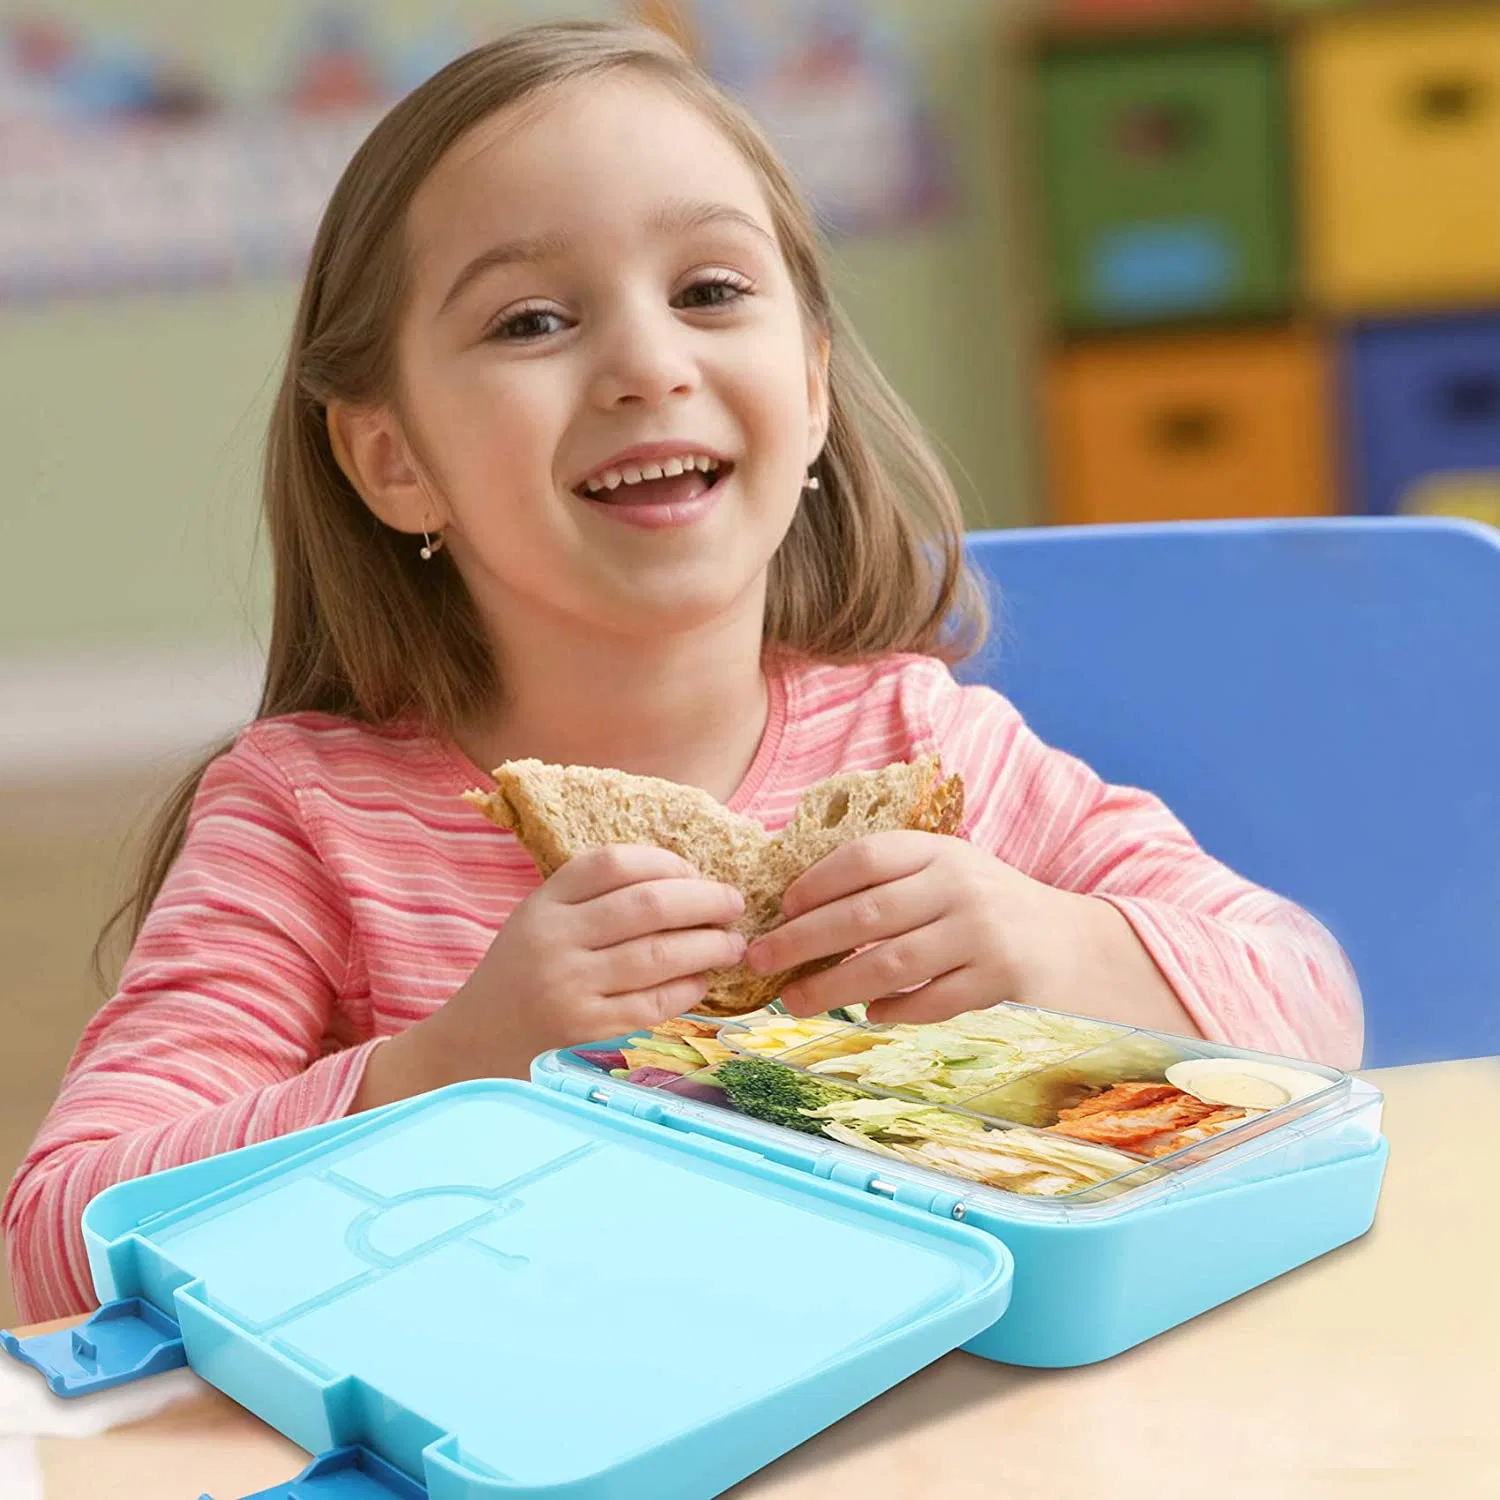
[{"x": 361, "y": 627}]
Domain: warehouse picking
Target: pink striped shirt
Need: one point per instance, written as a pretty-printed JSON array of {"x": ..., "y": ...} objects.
[{"x": 333, "y": 889}]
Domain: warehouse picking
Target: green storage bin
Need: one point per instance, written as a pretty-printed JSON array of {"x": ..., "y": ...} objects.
[{"x": 1165, "y": 181}]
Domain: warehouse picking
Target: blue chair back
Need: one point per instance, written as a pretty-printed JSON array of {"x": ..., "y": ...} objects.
[{"x": 1319, "y": 701}]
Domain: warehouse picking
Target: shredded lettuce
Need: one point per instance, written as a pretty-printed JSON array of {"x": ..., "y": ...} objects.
[
  {"x": 967, "y": 1056},
  {"x": 1017, "y": 1160}
]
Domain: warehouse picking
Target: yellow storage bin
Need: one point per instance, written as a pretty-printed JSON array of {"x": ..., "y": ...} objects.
[
  {"x": 1399, "y": 125},
  {"x": 1191, "y": 427},
  {"x": 1470, "y": 497}
]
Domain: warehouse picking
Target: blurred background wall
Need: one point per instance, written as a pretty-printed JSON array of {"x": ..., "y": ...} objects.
[
  {"x": 131, "y": 424},
  {"x": 1141, "y": 259}
]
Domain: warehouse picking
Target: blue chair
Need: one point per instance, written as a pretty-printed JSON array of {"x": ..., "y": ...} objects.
[{"x": 1319, "y": 701}]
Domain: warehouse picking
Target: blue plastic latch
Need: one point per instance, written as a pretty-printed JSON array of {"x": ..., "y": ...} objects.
[
  {"x": 124, "y": 1341},
  {"x": 345, "y": 1474}
]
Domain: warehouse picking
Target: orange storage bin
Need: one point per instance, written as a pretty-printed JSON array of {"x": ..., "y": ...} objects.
[
  {"x": 1191, "y": 427},
  {"x": 1399, "y": 122}
]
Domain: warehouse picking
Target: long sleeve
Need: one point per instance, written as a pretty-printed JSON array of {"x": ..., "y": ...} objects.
[
  {"x": 217, "y": 1037},
  {"x": 1252, "y": 968}
]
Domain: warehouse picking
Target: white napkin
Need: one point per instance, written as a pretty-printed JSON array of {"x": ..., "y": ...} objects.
[
  {"x": 29, "y": 1410},
  {"x": 20, "y": 1470}
]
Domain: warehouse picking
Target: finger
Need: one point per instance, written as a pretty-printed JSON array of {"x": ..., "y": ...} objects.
[
  {"x": 642, "y": 1009},
  {"x": 873, "y": 860},
  {"x": 867, "y": 916},
  {"x": 644, "y": 963},
  {"x": 596, "y": 872},
  {"x": 951, "y": 994},
  {"x": 899, "y": 963},
  {"x": 650, "y": 906}
]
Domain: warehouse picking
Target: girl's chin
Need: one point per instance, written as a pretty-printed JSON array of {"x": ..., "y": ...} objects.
[{"x": 661, "y": 606}]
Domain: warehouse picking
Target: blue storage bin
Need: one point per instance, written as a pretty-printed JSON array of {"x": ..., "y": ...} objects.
[{"x": 1424, "y": 416}]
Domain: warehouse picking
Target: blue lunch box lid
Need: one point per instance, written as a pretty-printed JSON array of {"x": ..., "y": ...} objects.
[{"x": 503, "y": 1291}]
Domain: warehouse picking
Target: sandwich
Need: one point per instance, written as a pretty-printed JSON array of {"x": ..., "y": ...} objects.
[{"x": 557, "y": 812}]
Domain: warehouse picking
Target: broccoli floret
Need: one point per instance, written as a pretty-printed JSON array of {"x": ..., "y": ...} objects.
[{"x": 766, "y": 1090}]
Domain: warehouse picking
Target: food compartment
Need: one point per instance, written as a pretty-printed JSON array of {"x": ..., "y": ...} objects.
[
  {"x": 1158, "y": 1097},
  {"x": 1040, "y": 1098},
  {"x": 953, "y": 1062},
  {"x": 1316, "y": 1133},
  {"x": 1249, "y": 1095},
  {"x": 661, "y": 1056},
  {"x": 771, "y": 1034},
  {"x": 1032, "y": 1163}
]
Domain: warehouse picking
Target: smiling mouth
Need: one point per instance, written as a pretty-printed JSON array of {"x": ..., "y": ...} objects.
[{"x": 673, "y": 481}]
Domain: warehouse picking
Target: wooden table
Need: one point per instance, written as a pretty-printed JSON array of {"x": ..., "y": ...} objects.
[{"x": 1373, "y": 1373}]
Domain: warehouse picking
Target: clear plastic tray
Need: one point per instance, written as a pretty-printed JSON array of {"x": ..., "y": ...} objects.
[{"x": 1340, "y": 1119}]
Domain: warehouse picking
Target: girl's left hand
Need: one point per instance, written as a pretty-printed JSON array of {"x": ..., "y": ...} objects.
[{"x": 953, "y": 927}]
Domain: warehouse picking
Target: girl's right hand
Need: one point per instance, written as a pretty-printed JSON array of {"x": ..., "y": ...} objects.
[{"x": 616, "y": 941}]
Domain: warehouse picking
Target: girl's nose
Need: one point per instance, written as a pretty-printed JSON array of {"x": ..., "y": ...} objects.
[{"x": 643, "y": 360}]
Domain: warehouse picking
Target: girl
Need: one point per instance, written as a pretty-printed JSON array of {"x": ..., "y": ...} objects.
[{"x": 575, "y": 459}]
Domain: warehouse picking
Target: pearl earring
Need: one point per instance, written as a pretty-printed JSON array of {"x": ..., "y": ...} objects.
[
  {"x": 431, "y": 546},
  {"x": 812, "y": 482}
]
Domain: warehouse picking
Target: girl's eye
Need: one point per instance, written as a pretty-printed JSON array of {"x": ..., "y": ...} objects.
[
  {"x": 714, "y": 291},
  {"x": 529, "y": 323}
]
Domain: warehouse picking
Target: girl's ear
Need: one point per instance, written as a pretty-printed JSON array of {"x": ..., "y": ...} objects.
[
  {"x": 370, "y": 447},
  {"x": 817, "y": 397}
]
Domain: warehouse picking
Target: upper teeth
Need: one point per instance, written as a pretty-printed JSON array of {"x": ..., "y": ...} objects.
[{"x": 668, "y": 468}]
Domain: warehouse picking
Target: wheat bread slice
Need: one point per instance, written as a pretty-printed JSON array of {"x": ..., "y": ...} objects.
[{"x": 557, "y": 812}]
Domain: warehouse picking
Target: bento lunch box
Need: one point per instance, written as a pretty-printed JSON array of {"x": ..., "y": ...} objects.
[
  {"x": 497, "y": 1291},
  {"x": 1105, "y": 1267}
]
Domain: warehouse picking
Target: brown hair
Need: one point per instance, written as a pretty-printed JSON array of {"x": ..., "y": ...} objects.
[{"x": 361, "y": 627}]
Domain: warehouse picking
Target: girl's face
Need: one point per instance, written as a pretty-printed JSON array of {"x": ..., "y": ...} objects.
[{"x": 598, "y": 297}]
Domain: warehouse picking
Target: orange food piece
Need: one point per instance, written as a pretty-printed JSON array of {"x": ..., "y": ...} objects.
[
  {"x": 1121, "y": 1096},
  {"x": 685, "y": 1027},
  {"x": 1131, "y": 1114},
  {"x": 1221, "y": 1119}
]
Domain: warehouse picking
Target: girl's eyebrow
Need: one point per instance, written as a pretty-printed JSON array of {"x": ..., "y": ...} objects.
[
  {"x": 675, "y": 216},
  {"x": 527, "y": 251},
  {"x": 679, "y": 214}
]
